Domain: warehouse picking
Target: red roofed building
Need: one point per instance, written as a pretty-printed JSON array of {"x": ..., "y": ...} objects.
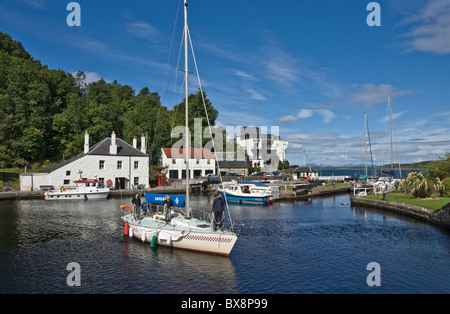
[{"x": 201, "y": 162}]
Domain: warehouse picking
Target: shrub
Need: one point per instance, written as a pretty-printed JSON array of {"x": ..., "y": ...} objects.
[
  {"x": 418, "y": 185},
  {"x": 446, "y": 184}
]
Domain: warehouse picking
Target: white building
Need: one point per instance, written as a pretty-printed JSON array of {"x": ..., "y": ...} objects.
[
  {"x": 201, "y": 162},
  {"x": 303, "y": 172},
  {"x": 262, "y": 149},
  {"x": 112, "y": 161}
]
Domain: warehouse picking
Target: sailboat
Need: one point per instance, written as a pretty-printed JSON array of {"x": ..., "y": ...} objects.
[
  {"x": 392, "y": 133},
  {"x": 181, "y": 230},
  {"x": 365, "y": 184},
  {"x": 388, "y": 175}
]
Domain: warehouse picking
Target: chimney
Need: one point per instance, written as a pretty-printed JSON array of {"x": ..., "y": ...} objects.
[
  {"x": 143, "y": 148},
  {"x": 113, "y": 147},
  {"x": 135, "y": 142},
  {"x": 86, "y": 143}
]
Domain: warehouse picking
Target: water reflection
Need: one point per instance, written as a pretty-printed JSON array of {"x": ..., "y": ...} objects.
[{"x": 303, "y": 246}]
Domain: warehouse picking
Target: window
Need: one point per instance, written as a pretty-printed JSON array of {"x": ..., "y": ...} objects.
[
  {"x": 136, "y": 165},
  {"x": 68, "y": 173},
  {"x": 173, "y": 174},
  {"x": 119, "y": 164},
  {"x": 136, "y": 181},
  {"x": 197, "y": 161},
  {"x": 101, "y": 164},
  {"x": 174, "y": 161},
  {"x": 66, "y": 182}
]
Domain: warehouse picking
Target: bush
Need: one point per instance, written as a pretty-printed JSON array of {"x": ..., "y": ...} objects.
[
  {"x": 418, "y": 185},
  {"x": 446, "y": 184}
]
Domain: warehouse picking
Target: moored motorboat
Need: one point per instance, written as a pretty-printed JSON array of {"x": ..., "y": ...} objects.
[
  {"x": 247, "y": 193},
  {"x": 85, "y": 189}
]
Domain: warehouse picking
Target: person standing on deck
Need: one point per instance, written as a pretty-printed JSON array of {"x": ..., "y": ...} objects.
[
  {"x": 167, "y": 205},
  {"x": 218, "y": 211},
  {"x": 136, "y": 200}
]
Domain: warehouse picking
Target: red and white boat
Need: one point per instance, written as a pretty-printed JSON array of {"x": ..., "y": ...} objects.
[{"x": 84, "y": 190}]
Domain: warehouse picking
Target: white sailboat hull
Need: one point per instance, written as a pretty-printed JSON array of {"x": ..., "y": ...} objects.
[
  {"x": 194, "y": 241},
  {"x": 172, "y": 235}
]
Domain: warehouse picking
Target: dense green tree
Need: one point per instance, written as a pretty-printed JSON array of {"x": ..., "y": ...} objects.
[
  {"x": 196, "y": 110},
  {"x": 439, "y": 168},
  {"x": 44, "y": 113}
]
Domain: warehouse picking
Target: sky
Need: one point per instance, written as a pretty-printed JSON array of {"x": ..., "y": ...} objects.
[{"x": 308, "y": 70}]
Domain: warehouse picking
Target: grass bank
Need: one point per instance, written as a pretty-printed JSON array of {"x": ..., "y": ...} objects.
[{"x": 432, "y": 203}]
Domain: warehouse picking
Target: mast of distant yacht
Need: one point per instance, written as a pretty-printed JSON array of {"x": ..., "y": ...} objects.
[{"x": 187, "y": 137}]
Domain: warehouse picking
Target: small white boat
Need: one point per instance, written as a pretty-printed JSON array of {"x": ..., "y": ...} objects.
[
  {"x": 247, "y": 192},
  {"x": 84, "y": 190}
]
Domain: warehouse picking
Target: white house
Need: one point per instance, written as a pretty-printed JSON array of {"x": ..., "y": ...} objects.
[
  {"x": 262, "y": 148},
  {"x": 112, "y": 161},
  {"x": 303, "y": 172},
  {"x": 201, "y": 162}
]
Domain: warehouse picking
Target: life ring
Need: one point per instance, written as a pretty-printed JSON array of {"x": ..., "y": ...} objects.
[
  {"x": 63, "y": 189},
  {"x": 127, "y": 207},
  {"x": 109, "y": 182}
]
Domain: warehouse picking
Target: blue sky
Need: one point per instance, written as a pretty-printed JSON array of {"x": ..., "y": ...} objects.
[{"x": 310, "y": 68}]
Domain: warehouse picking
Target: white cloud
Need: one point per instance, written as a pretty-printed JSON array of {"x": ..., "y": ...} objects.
[
  {"x": 143, "y": 30},
  {"x": 244, "y": 75},
  {"x": 255, "y": 95},
  {"x": 373, "y": 94},
  {"x": 280, "y": 66},
  {"x": 90, "y": 76},
  {"x": 287, "y": 119},
  {"x": 431, "y": 32},
  {"x": 327, "y": 115},
  {"x": 305, "y": 113}
]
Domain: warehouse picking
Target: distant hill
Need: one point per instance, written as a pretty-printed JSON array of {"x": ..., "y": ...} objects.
[{"x": 407, "y": 166}]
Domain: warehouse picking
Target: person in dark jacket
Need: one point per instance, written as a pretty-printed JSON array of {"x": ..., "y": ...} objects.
[
  {"x": 218, "y": 211},
  {"x": 136, "y": 200},
  {"x": 167, "y": 205},
  {"x": 144, "y": 207}
]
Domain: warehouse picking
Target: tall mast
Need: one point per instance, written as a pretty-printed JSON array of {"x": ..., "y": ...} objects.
[
  {"x": 365, "y": 137},
  {"x": 392, "y": 148},
  {"x": 186, "y": 107},
  {"x": 370, "y": 145}
]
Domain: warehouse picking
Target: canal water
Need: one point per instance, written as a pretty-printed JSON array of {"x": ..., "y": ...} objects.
[{"x": 319, "y": 246}]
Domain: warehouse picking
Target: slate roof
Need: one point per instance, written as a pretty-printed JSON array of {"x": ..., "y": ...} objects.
[
  {"x": 305, "y": 170},
  {"x": 233, "y": 164},
  {"x": 102, "y": 149},
  {"x": 200, "y": 153}
]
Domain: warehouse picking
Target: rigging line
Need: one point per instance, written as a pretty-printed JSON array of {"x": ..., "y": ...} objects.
[
  {"x": 175, "y": 85},
  {"x": 170, "y": 48},
  {"x": 164, "y": 85},
  {"x": 370, "y": 149},
  {"x": 209, "y": 124},
  {"x": 396, "y": 147},
  {"x": 383, "y": 151}
]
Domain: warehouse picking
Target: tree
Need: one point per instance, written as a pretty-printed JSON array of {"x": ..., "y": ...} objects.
[
  {"x": 196, "y": 110},
  {"x": 439, "y": 168},
  {"x": 148, "y": 117}
]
